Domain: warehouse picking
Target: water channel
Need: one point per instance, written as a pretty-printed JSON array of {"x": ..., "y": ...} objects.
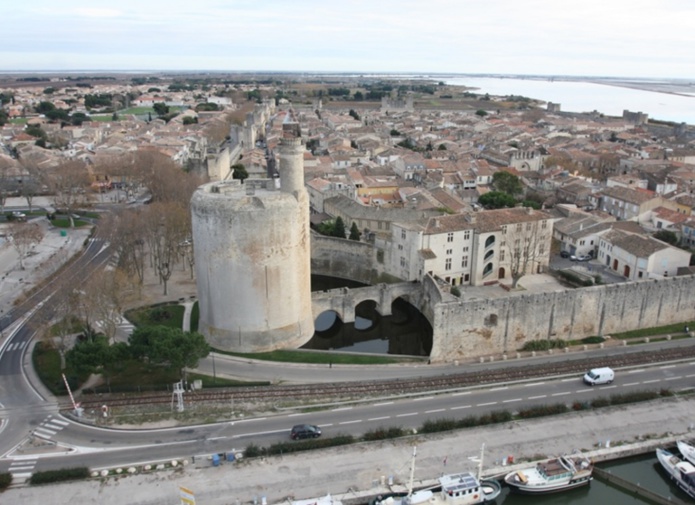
[{"x": 405, "y": 332}]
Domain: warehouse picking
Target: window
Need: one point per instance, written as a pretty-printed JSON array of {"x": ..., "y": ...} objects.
[
  {"x": 402, "y": 261},
  {"x": 518, "y": 227},
  {"x": 490, "y": 241},
  {"x": 544, "y": 225},
  {"x": 464, "y": 262},
  {"x": 449, "y": 251},
  {"x": 528, "y": 226},
  {"x": 400, "y": 247},
  {"x": 581, "y": 242},
  {"x": 403, "y": 234},
  {"x": 502, "y": 255},
  {"x": 467, "y": 235},
  {"x": 465, "y": 249},
  {"x": 447, "y": 264},
  {"x": 450, "y": 237},
  {"x": 517, "y": 243},
  {"x": 541, "y": 249},
  {"x": 504, "y": 230}
]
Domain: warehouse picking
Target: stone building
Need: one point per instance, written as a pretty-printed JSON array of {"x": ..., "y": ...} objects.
[{"x": 252, "y": 257}]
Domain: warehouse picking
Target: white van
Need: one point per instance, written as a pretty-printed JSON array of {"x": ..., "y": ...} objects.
[{"x": 595, "y": 376}]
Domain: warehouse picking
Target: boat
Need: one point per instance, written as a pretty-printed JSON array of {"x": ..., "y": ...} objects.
[
  {"x": 681, "y": 472},
  {"x": 454, "y": 489},
  {"x": 551, "y": 476},
  {"x": 687, "y": 450}
]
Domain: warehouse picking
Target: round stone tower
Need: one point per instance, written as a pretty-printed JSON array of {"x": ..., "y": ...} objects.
[{"x": 252, "y": 258}]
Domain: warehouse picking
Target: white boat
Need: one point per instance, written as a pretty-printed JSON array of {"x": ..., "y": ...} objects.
[
  {"x": 455, "y": 489},
  {"x": 687, "y": 450},
  {"x": 681, "y": 472},
  {"x": 553, "y": 475}
]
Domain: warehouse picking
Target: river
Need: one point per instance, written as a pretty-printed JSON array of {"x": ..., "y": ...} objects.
[{"x": 574, "y": 96}]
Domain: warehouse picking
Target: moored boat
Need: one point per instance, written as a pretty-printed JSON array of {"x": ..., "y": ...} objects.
[
  {"x": 551, "y": 476},
  {"x": 687, "y": 450},
  {"x": 681, "y": 472},
  {"x": 324, "y": 500}
]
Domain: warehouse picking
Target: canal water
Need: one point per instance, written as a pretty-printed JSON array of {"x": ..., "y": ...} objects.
[
  {"x": 644, "y": 470},
  {"x": 405, "y": 332}
]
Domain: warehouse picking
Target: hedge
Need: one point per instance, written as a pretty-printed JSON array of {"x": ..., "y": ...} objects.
[
  {"x": 51, "y": 476},
  {"x": 5, "y": 480}
]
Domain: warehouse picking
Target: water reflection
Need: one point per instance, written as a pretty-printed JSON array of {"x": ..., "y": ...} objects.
[{"x": 406, "y": 331}]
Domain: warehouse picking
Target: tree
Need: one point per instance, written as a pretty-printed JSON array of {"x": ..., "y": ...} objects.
[
  {"x": 354, "y": 114},
  {"x": 354, "y": 232},
  {"x": 96, "y": 356},
  {"x": 481, "y": 113},
  {"x": 496, "y": 200},
  {"x": 44, "y": 107},
  {"x": 78, "y": 118},
  {"x": 161, "y": 109},
  {"x": 507, "y": 183},
  {"x": 666, "y": 236},
  {"x": 525, "y": 245},
  {"x": 239, "y": 172},
  {"x": 165, "y": 346},
  {"x": 358, "y": 96},
  {"x": 441, "y": 147},
  {"x": 68, "y": 181},
  {"x": 24, "y": 236},
  {"x": 190, "y": 120},
  {"x": 339, "y": 230}
]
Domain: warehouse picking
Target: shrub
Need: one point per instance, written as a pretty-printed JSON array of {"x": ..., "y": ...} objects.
[
  {"x": 580, "y": 405},
  {"x": 456, "y": 291},
  {"x": 383, "y": 434},
  {"x": 50, "y": 476},
  {"x": 253, "y": 451},
  {"x": 597, "y": 403},
  {"x": 543, "y": 410},
  {"x": 544, "y": 345},
  {"x": 633, "y": 397},
  {"x": 307, "y": 445},
  {"x": 5, "y": 480},
  {"x": 593, "y": 340}
]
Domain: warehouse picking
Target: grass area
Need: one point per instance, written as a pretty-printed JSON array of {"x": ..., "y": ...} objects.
[
  {"x": 65, "y": 223},
  {"x": 105, "y": 118},
  {"x": 325, "y": 358},
  {"x": 165, "y": 315},
  {"x": 137, "y": 111},
  {"x": 19, "y": 120},
  {"x": 46, "y": 362},
  {"x": 671, "y": 329}
]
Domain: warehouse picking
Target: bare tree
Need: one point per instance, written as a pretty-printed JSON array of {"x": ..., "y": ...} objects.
[
  {"x": 526, "y": 244},
  {"x": 25, "y": 236},
  {"x": 126, "y": 233},
  {"x": 68, "y": 182},
  {"x": 105, "y": 296}
]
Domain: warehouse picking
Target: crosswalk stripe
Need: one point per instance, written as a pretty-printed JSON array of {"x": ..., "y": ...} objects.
[
  {"x": 25, "y": 475},
  {"x": 26, "y": 467},
  {"x": 56, "y": 427},
  {"x": 64, "y": 423},
  {"x": 39, "y": 432}
]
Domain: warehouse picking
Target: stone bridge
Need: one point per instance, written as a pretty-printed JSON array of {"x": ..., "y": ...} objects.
[{"x": 344, "y": 300}]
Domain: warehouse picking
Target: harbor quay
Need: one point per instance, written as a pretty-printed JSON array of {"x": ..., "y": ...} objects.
[{"x": 353, "y": 474}]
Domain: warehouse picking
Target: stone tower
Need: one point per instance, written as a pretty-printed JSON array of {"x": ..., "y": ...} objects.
[{"x": 252, "y": 257}]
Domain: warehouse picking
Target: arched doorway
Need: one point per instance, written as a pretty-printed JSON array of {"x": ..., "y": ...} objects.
[{"x": 500, "y": 273}]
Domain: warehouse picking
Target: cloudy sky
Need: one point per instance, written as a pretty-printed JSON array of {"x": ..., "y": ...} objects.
[{"x": 649, "y": 38}]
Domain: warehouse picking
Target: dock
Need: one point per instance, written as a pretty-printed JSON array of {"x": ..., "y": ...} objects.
[{"x": 635, "y": 489}]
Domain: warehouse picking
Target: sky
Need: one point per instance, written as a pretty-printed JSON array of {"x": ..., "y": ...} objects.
[{"x": 635, "y": 38}]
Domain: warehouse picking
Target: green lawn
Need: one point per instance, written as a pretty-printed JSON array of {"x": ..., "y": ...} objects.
[
  {"x": 165, "y": 315},
  {"x": 137, "y": 111},
  {"x": 65, "y": 223}
]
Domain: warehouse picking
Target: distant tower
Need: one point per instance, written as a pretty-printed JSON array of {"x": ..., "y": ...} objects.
[{"x": 252, "y": 257}]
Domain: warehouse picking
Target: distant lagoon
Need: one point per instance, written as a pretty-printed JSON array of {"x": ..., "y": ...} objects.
[{"x": 575, "y": 96}]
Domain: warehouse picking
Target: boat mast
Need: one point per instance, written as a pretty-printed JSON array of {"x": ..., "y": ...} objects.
[
  {"x": 480, "y": 463},
  {"x": 412, "y": 472}
]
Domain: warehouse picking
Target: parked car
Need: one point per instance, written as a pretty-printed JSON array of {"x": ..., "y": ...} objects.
[
  {"x": 581, "y": 257},
  {"x": 564, "y": 254},
  {"x": 300, "y": 431}
]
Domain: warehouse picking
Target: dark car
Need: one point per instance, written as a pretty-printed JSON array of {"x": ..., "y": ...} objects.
[
  {"x": 300, "y": 431},
  {"x": 564, "y": 254}
]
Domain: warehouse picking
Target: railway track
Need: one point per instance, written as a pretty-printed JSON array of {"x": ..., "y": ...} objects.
[{"x": 394, "y": 387}]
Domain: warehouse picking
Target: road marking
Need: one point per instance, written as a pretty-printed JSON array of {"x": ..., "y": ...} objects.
[
  {"x": 691, "y": 375},
  {"x": 486, "y": 404},
  {"x": 583, "y": 390},
  {"x": 514, "y": 400},
  {"x": 499, "y": 389},
  {"x": 351, "y": 422},
  {"x": 562, "y": 394},
  {"x": 461, "y": 407},
  {"x": 536, "y": 397},
  {"x": 53, "y": 426},
  {"x": 248, "y": 420},
  {"x": 341, "y": 409},
  {"x": 64, "y": 423},
  {"x": 569, "y": 380},
  {"x": 21, "y": 346},
  {"x": 673, "y": 378},
  {"x": 636, "y": 371},
  {"x": 22, "y": 475},
  {"x": 534, "y": 384},
  {"x": 297, "y": 414},
  {"x": 383, "y": 403},
  {"x": 631, "y": 384},
  {"x": 667, "y": 366},
  {"x": 651, "y": 381},
  {"x": 25, "y": 467},
  {"x": 215, "y": 438},
  {"x": 259, "y": 433},
  {"x": 379, "y": 418},
  {"x": 406, "y": 415},
  {"x": 462, "y": 394},
  {"x": 434, "y": 411},
  {"x": 423, "y": 398},
  {"x": 41, "y": 428},
  {"x": 607, "y": 387}
]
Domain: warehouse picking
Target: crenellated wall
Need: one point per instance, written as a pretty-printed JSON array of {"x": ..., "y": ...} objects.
[{"x": 464, "y": 329}]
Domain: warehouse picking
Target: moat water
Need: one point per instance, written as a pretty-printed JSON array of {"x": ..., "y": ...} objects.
[{"x": 406, "y": 331}]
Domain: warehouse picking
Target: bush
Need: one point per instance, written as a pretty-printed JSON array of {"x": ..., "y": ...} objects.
[
  {"x": 50, "y": 476},
  {"x": 307, "y": 445},
  {"x": 543, "y": 410},
  {"x": 384, "y": 434},
  {"x": 633, "y": 397},
  {"x": 5, "y": 480},
  {"x": 597, "y": 403},
  {"x": 593, "y": 340},
  {"x": 580, "y": 405},
  {"x": 456, "y": 291},
  {"x": 544, "y": 345}
]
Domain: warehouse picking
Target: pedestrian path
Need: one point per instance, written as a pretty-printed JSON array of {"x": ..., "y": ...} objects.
[
  {"x": 16, "y": 346},
  {"x": 21, "y": 469}
]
